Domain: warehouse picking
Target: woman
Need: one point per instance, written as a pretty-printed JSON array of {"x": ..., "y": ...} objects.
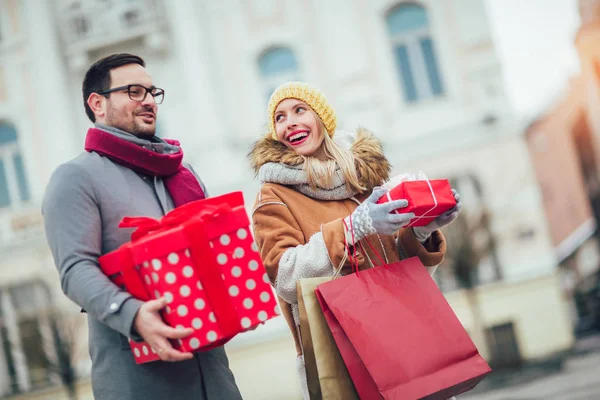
[{"x": 319, "y": 195}]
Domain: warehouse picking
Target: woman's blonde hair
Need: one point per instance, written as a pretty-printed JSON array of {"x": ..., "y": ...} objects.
[{"x": 321, "y": 173}]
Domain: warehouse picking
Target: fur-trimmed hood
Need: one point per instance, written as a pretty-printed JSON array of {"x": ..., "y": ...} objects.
[{"x": 372, "y": 166}]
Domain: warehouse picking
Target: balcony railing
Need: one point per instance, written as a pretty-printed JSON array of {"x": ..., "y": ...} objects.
[{"x": 90, "y": 24}]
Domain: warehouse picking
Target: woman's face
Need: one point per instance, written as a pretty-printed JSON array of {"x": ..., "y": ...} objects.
[{"x": 299, "y": 128}]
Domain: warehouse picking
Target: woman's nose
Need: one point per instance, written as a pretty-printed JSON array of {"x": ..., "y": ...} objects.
[{"x": 291, "y": 122}]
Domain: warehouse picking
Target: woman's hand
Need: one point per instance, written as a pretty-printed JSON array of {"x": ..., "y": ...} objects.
[
  {"x": 371, "y": 218},
  {"x": 423, "y": 232}
]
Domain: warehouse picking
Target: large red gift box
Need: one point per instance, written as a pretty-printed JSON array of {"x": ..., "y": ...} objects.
[
  {"x": 202, "y": 258},
  {"x": 427, "y": 199}
]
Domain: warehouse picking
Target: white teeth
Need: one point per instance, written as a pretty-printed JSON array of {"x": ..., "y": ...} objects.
[{"x": 298, "y": 136}]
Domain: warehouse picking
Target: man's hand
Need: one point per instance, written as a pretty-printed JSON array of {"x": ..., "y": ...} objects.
[{"x": 150, "y": 326}]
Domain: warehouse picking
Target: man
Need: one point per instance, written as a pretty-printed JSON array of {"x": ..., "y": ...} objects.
[{"x": 125, "y": 171}]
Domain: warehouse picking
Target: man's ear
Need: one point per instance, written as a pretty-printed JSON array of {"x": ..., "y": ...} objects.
[{"x": 97, "y": 103}]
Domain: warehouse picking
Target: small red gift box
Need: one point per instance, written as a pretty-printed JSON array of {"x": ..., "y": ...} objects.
[
  {"x": 427, "y": 199},
  {"x": 202, "y": 258}
]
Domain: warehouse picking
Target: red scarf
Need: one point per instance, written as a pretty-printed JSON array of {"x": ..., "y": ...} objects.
[{"x": 179, "y": 181}]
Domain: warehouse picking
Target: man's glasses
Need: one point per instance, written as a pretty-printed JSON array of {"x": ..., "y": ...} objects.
[{"x": 139, "y": 92}]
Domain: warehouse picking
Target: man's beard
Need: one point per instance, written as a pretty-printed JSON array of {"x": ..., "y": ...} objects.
[{"x": 120, "y": 121}]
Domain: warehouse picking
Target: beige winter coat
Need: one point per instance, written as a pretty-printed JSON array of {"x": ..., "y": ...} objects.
[{"x": 283, "y": 218}]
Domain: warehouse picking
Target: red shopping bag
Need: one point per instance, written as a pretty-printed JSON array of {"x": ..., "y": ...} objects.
[{"x": 398, "y": 336}]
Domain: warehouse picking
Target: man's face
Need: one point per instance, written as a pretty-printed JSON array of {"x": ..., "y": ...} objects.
[{"x": 135, "y": 117}]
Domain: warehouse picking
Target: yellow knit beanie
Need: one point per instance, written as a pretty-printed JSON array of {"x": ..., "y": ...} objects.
[{"x": 308, "y": 94}]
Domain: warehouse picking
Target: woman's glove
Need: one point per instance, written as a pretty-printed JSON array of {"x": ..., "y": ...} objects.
[
  {"x": 422, "y": 233},
  {"x": 371, "y": 218}
]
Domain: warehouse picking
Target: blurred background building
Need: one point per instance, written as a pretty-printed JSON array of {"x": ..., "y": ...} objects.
[
  {"x": 563, "y": 142},
  {"x": 425, "y": 76}
]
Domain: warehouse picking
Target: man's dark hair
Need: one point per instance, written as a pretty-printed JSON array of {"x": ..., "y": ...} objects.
[{"x": 97, "y": 78}]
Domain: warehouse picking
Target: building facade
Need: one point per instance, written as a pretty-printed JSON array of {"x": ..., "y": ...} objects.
[
  {"x": 423, "y": 75},
  {"x": 563, "y": 142}
]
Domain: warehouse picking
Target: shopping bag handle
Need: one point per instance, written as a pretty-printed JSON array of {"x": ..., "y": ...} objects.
[
  {"x": 340, "y": 266},
  {"x": 383, "y": 263},
  {"x": 353, "y": 258}
]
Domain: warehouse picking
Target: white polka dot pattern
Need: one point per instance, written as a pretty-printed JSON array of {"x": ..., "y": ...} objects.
[
  {"x": 185, "y": 290},
  {"x": 170, "y": 278},
  {"x": 199, "y": 304},
  {"x": 236, "y": 272},
  {"x": 182, "y": 310},
  {"x": 175, "y": 276},
  {"x": 262, "y": 315},
  {"x": 225, "y": 240},
  {"x": 253, "y": 265},
  {"x": 173, "y": 258},
  {"x": 233, "y": 291},
  {"x": 142, "y": 352},
  {"x": 211, "y": 336},
  {"x": 188, "y": 271},
  {"x": 242, "y": 233},
  {"x": 168, "y": 296},
  {"x": 196, "y": 323},
  {"x": 238, "y": 253},
  {"x": 265, "y": 297}
]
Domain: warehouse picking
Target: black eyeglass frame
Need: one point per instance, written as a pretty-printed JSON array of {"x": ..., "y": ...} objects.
[{"x": 158, "y": 92}]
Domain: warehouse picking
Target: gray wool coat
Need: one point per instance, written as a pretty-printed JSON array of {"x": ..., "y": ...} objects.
[{"x": 85, "y": 200}]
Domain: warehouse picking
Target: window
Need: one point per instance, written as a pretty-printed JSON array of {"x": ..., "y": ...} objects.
[
  {"x": 414, "y": 52},
  {"x": 277, "y": 65},
  {"x": 3, "y": 23},
  {"x": 81, "y": 26},
  {"x": 27, "y": 342},
  {"x": 37, "y": 361},
  {"x": 27, "y": 301},
  {"x": 8, "y": 382},
  {"x": 13, "y": 180}
]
